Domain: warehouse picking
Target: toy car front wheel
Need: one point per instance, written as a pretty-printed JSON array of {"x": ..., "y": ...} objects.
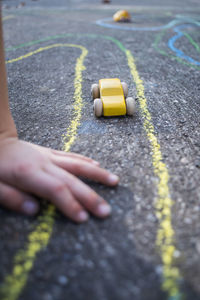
[
  {"x": 130, "y": 106},
  {"x": 125, "y": 89},
  {"x": 98, "y": 107},
  {"x": 95, "y": 92}
]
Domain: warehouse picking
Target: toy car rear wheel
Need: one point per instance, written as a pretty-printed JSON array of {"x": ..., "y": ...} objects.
[
  {"x": 125, "y": 89},
  {"x": 95, "y": 91},
  {"x": 130, "y": 106},
  {"x": 98, "y": 107}
]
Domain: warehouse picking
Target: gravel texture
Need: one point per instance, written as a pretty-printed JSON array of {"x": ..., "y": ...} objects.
[{"x": 116, "y": 258}]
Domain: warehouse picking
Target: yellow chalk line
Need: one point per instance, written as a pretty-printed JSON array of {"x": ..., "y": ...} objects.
[
  {"x": 165, "y": 239},
  {"x": 8, "y": 17},
  {"x": 39, "y": 238}
]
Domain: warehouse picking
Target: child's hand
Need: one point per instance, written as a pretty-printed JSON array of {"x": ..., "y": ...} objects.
[{"x": 28, "y": 171}]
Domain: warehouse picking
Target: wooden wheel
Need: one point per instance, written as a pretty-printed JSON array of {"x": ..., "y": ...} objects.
[
  {"x": 125, "y": 89},
  {"x": 95, "y": 92},
  {"x": 130, "y": 106},
  {"x": 98, "y": 107}
]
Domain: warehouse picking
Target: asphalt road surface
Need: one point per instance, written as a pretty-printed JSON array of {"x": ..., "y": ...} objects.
[{"x": 149, "y": 248}]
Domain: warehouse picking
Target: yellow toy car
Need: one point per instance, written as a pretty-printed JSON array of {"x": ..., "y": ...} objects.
[
  {"x": 110, "y": 98},
  {"x": 122, "y": 16}
]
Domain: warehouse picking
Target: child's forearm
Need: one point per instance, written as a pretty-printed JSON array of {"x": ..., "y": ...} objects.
[{"x": 7, "y": 126}]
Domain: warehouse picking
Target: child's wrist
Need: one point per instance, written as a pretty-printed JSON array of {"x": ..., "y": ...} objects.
[{"x": 8, "y": 132}]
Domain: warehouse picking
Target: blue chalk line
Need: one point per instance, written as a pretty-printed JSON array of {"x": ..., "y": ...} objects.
[
  {"x": 179, "y": 19},
  {"x": 178, "y": 52}
]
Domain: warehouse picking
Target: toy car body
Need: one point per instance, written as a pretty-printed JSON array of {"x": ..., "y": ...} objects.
[
  {"x": 110, "y": 98},
  {"x": 122, "y": 16}
]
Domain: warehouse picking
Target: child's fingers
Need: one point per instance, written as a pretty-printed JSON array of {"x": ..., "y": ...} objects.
[
  {"x": 75, "y": 156},
  {"x": 61, "y": 196},
  {"x": 16, "y": 200},
  {"x": 65, "y": 154},
  {"x": 53, "y": 189},
  {"x": 81, "y": 192},
  {"x": 87, "y": 170}
]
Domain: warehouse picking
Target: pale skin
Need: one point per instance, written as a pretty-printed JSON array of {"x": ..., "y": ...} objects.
[{"x": 29, "y": 172}]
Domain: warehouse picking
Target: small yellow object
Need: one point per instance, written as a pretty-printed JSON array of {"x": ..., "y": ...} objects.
[
  {"x": 122, "y": 16},
  {"x": 112, "y": 96}
]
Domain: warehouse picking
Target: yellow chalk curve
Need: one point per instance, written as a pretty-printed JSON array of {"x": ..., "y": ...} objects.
[{"x": 7, "y": 17}]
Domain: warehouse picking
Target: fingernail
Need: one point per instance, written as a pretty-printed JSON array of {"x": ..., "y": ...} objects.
[
  {"x": 30, "y": 207},
  {"x": 104, "y": 210},
  {"x": 113, "y": 179},
  {"x": 83, "y": 216}
]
